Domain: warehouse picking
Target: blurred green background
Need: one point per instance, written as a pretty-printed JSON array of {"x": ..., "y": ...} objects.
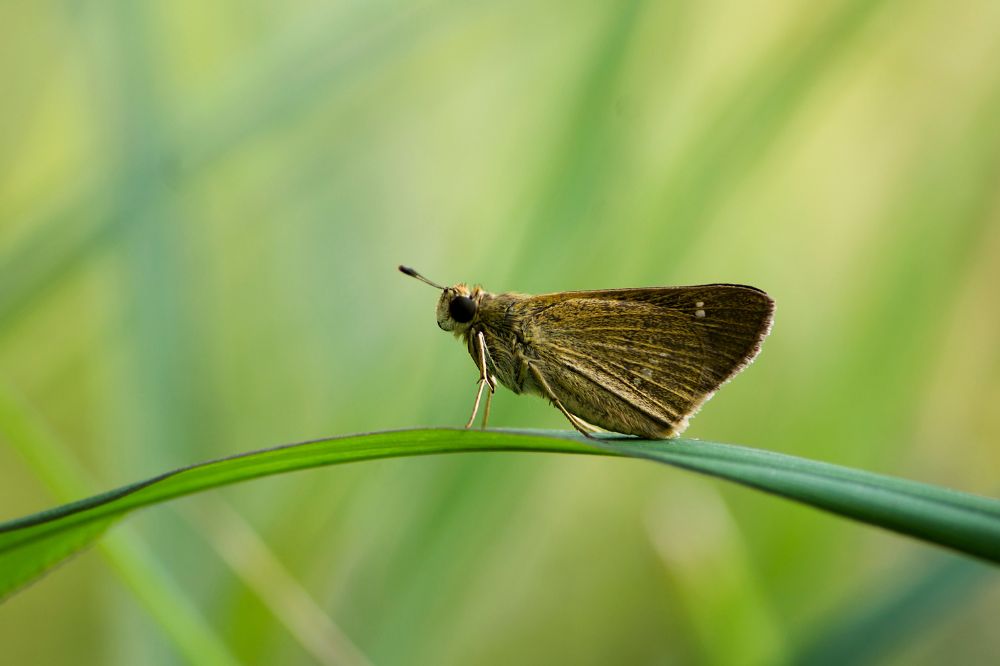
[{"x": 202, "y": 206}]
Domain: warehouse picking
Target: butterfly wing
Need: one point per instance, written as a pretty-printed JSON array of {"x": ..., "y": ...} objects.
[{"x": 642, "y": 361}]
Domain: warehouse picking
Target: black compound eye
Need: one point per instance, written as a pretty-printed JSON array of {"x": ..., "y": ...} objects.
[{"x": 462, "y": 309}]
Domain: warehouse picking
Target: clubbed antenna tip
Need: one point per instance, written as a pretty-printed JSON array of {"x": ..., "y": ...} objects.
[{"x": 412, "y": 273}]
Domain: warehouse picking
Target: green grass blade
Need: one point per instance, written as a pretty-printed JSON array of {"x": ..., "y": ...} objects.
[
  {"x": 137, "y": 567},
  {"x": 966, "y": 523}
]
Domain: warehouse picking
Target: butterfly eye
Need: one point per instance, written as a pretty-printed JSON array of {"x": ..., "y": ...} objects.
[{"x": 462, "y": 309}]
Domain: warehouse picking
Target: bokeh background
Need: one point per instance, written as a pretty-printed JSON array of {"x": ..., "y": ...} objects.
[{"x": 202, "y": 206}]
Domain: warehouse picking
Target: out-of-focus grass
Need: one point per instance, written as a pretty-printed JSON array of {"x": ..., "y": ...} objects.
[{"x": 201, "y": 209}]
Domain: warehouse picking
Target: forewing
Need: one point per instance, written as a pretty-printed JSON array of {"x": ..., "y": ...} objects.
[{"x": 659, "y": 352}]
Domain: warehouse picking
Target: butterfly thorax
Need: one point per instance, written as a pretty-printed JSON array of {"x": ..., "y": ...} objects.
[{"x": 504, "y": 335}]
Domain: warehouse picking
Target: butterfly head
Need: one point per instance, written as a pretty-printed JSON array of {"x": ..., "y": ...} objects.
[{"x": 458, "y": 305}]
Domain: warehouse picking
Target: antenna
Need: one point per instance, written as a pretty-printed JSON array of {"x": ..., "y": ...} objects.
[{"x": 412, "y": 273}]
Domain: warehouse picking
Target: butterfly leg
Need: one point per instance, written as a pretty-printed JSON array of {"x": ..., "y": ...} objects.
[
  {"x": 486, "y": 409},
  {"x": 484, "y": 380},
  {"x": 575, "y": 421},
  {"x": 475, "y": 406}
]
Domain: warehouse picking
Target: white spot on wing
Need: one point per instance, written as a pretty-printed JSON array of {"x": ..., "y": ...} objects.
[{"x": 699, "y": 313}]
